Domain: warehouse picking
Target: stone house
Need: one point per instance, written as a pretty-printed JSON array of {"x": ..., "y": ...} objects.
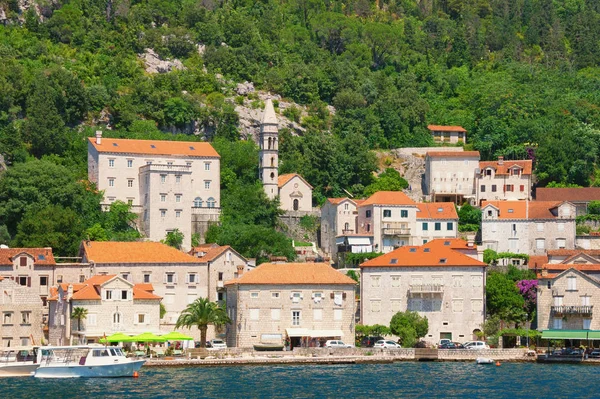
[
  {"x": 395, "y": 220},
  {"x": 450, "y": 176},
  {"x": 113, "y": 304},
  {"x": 21, "y": 311},
  {"x": 527, "y": 227},
  {"x": 339, "y": 227},
  {"x": 304, "y": 303},
  {"x": 295, "y": 194},
  {"x": 448, "y": 134},
  {"x": 441, "y": 283},
  {"x": 579, "y": 196},
  {"x": 170, "y": 184},
  {"x": 177, "y": 277},
  {"x": 504, "y": 180}
]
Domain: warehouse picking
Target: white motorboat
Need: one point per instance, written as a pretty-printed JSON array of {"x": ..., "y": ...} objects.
[
  {"x": 484, "y": 360},
  {"x": 85, "y": 361},
  {"x": 16, "y": 362}
]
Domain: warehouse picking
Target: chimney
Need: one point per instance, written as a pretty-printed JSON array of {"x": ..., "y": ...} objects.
[
  {"x": 470, "y": 241},
  {"x": 69, "y": 292},
  {"x": 500, "y": 160},
  {"x": 240, "y": 270},
  {"x": 98, "y": 137},
  {"x": 544, "y": 272}
]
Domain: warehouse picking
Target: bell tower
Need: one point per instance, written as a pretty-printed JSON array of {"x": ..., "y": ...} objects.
[{"x": 268, "y": 156}]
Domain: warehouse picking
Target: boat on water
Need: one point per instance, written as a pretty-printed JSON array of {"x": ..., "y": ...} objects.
[
  {"x": 268, "y": 347},
  {"x": 484, "y": 360},
  {"x": 85, "y": 361},
  {"x": 18, "y": 362}
]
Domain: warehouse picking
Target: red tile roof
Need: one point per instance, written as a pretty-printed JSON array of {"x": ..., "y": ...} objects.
[
  {"x": 446, "y": 128},
  {"x": 503, "y": 169},
  {"x": 134, "y": 252},
  {"x": 211, "y": 254},
  {"x": 388, "y": 198},
  {"x": 434, "y": 255},
  {"x": 536, "y": 262},
  {"x": 90, "y": 289},
  {"x": 436, "y": 210},
  {"x": 282, "y": 180},
  {"x": 336, "y": 201},
  {"x": 523, "y": 209},
  {"x": 583, "y": 267},
  {"x": 293, "y": 274},
  {"x": 7, "y": 255},
  {"x": 155, "y": 147},
  {"x": 571, "y": 252},
  {"x": 453, "y": 154},
  {"x": 582, "y": 194}
]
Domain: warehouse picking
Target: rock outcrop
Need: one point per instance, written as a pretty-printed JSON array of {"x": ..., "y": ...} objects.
[{"x": 154, "y": 64}]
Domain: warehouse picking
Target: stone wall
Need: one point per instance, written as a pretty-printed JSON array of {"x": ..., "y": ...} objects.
[
  {"x": 404, "y": 353},
  {"x": 496, "y": 354}
]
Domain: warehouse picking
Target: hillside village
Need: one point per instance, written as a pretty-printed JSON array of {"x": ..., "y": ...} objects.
[{"x": 408, "y": 254}]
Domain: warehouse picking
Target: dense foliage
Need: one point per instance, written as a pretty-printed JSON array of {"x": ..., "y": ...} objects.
[
  {"x": 409, "y": 327},
  {"x": 521, "y": 76}
]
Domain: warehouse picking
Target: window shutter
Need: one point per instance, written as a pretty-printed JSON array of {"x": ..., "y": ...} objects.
[
  {"x": 344, "y": 295},
  {"x": 29, "y": 281},
  {"x": 175, "y": 278},
  {"x": 165, "y": 278},
  {"x": 331, "y": 295}
]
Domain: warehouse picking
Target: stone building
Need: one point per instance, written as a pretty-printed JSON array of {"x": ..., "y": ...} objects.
[
  {"x": 295, "y": 194},
  {"x": 450, "y": 176},
  {"x": 301, "y": 302},
  {"x": 339, "y": 218},
  {"x": 578, "y": 196},
  {"x": 504, "y": 180},
  {"x": 177, "y": 277},
  {"x": 21, "y": 312},
  {"x": 439, "y": 282},
  {"x": 113, "y": 305},
  {"x": 527, "y": 227},
  {"x": 170, "y": 184},
  {"x": 448, "y": 134}
]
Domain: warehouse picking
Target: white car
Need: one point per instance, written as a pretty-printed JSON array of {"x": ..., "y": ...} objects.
[
  {"x": 218, "y": 344},
  {"x": 332, "y": 343},
  {"x": 382, "y": 343},
  {"x": 476, "y": 345}
]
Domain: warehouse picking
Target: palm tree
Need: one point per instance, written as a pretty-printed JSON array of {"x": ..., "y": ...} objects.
[
  {"x": 202, "y": 313},
  {"x": 79, "y": 313}
]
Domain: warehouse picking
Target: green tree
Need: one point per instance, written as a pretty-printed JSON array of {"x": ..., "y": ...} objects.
[
  {"x": 389, "y": 180},
  {"x": 201, "y": 313},
  {"x": 79, "y": 313},
  {"x": 174, "y": 239},
  {"x": 469, "y": 218},
  {"x": 594, "y": 208},
  {"x": 503, "y": 298},
  {"x": 409, "y": 326}
]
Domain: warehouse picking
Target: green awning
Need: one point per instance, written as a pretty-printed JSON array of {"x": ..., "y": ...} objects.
[{"x": 571, "y": 334}]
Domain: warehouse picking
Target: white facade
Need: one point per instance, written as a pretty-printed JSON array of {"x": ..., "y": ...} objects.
[
  {"x": 166, "y": 182},
  {"x": 295, "y": 194},
  {"x": 450, "y": 176},
  {"x": 21, "y": 315},
  {"x": 504, "y": 180},
  {"x": 339, "y": 217}
]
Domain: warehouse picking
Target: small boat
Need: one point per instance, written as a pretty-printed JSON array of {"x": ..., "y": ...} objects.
[
  {"x": 85, "y": 361},
  {"x": 268, "y": 347},
  {"x": 18, "y": 362},
  {"x": 484, "y": 360}
]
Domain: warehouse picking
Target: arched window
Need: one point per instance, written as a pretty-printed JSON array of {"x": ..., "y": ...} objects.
[
  {"x": 296, "y": 204},
  {"x": 346, "y": 226},
  {"x": 198, "y": 202},
  {"x": 270, "y": 144},
  {"x": 272, "y": 176},
  {"x": 272, "y": 161},
  {"x": 116, "y": 318},
  {"x": 211, "y": 203}
]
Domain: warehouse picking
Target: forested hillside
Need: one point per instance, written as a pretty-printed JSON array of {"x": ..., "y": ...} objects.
[{"x": 522, "y": 76}]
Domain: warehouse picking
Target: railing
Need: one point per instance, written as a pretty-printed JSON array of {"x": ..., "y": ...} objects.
[
  {"x": 426, "y": 288},
  {"x": 344, "y": 232},
  {"x": 389, "y": 231},
  {"x": 206, "y": 211},
  {"x": 166, "y": 168},
  {"x": 575, "y": 310}
]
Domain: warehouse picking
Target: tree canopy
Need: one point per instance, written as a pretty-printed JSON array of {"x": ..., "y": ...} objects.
[{"x": 409, "y": 326}]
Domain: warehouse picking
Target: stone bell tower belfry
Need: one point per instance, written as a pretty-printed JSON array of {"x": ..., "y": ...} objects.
[{"x": 268, "y": 156}]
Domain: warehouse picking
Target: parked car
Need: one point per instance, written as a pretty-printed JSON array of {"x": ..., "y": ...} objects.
[
  {"x": 443, "y": 342},
  {"x": 452, "y": 345},
  {"x": 218, "y": 344},
  {"x": 368, "y": 342},
  {"x": 477, "y": 345},
  {"x": 595, "y": 354},
  {"x": 332, "y": 343},
  {"x": 197, "y": 344},
  {"x": 382, "y": 343}
]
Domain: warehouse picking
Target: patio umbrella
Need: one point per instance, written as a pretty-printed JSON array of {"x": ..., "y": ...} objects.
[
  {"x": 147, "y": 337},
  {"x": 176, "y": 336},
  {"x": 116, "y": 337}
]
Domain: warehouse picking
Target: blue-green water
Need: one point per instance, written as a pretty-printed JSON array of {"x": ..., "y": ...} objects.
[{"x": 397, "y": 380}]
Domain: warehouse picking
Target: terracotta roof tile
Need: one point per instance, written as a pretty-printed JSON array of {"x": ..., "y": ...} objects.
[
  {"x": 446, "y": 128},
  {"x": 571, "y": 252},
  {"x": 134, "y": 252},
  {"x": 282, "y": 180},
  {"x": 212, "y": 253},
  {"x": 293, "y": 274},
  {"x": 423, "y": 256},
  {"x": 453, "y": 154},
  {"x": 43, "y": 256},
  {"x": 524, "y": 209},
  {"x": 155, "y": 147},
  {"x": 581, "y": 194},
  {"x": 436, "y": 210},
  {"x": 139, "y": 292},
  {"x": 90, "y": 289},
  {"x": 583, "y": 267},
  {"x": 388, "y": 198},
  {"x": 525, "y": 165},
  {"x": 537, "y": 261},
  {"x": 336, "y": 201}
]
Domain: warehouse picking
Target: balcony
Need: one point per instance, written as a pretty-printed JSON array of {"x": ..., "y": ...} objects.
[
  {"x": 166, "y": 168},
  {"x": 346, "y": 232},
  {"x": 206, "y": 211},
  {"x": 419, "y": 289},
  {"x": 571, "y": 310},
  {"x": 220, "y": 284},
  {"x": 395, "y": 231}
]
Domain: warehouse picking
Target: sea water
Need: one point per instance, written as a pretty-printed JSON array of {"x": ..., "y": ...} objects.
[{"x": 396, "y": 380}]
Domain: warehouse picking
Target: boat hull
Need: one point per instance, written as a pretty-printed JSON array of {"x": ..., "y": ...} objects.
[
  {"x": 484, "y": 360},
  {"x": 126, "y": 369},
  {"x": 18, "y": 369}
]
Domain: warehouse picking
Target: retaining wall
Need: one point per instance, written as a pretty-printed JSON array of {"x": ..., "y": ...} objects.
[{"x": 496, "y": 354}]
